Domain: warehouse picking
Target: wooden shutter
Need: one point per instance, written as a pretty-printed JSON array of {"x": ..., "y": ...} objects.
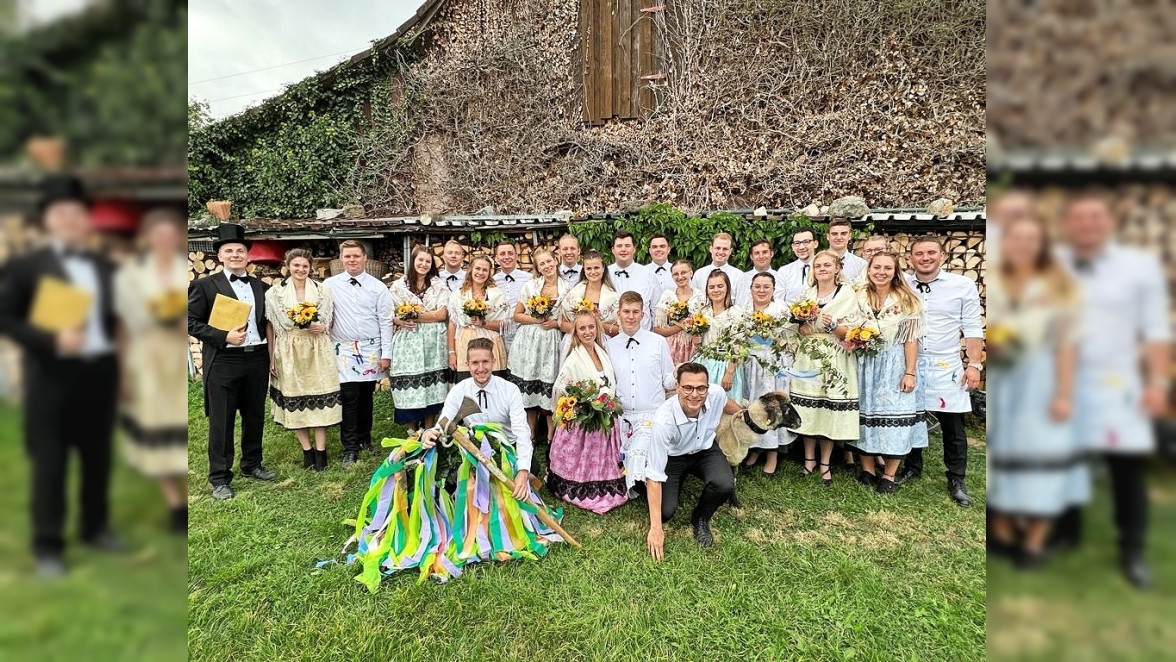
[{"x": 620, "y": 57}]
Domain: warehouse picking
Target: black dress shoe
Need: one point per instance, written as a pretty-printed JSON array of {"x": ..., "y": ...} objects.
[
  {"x": 958, "y": 493},
  {"x": 866, "y": 478},
  {"x": 307, "y": 458},
  {"x": 179, "y": 520},
  {"x": 50, "y": 566},
  {"x": 1000, "y": 549},
  {"x": 1027, "y": 560},
  {"x": 907, "y": 474},
  {"x": 260, "y": 473},
  {"x": 702, "y": 533},
  {"x": 885, "y": 486},
  {"x": 349, "y": 459},
  {"x": 222, "y": 492},
  {"x": 1136, "y": 571},
  {"x": 106, "y": 541},
  {"x": 320, "y": 460}
]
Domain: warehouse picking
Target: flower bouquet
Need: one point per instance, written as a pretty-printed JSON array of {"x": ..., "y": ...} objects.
[
  {"x": 409, "y": 311},
  {"x": 1002, "y": 345},
  {"x": 539, "y": 306},
  {"x": 696, "y": 325},
  {"x": 677, "y": 312},
  {"x": 804, "y": 312},
  {"x": 169, "y": 307},
  {"x": 763, "y": 327},
  {"x": 475, "y": 308},
  {"x": 585, "y": 306},
  {"x": 303, "y": 314},
  {"x": 585, "y": 405},
  {"x": 862, "y": 340}
]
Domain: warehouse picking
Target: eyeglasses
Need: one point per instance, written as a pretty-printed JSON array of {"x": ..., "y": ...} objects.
[
  {"x": 691, "y": 390},
  {"x": 803, "y": 242}
]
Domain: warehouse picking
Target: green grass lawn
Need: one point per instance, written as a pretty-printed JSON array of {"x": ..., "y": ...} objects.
[
  {"x": 801, "y": 573},
  {"x": 117, "y": 608}
]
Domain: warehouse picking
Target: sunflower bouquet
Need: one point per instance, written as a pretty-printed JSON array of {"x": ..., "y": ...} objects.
[
  {"x": 169, "y": 307},
  {"x": 677, "y": 312},
  {"x": 805, "y": 312},
  {"x": 696, "y": 325},
  {"x": 409, "y": 311},
  {"x": 763, "y": 327},
  {"x": 1002, "y": 345},
  {"x": 862, "y": 340},
  {"x": 475, "y": 308},
  {"x": 539, "y": 306},
  {"x": 585, "y": 405},
  {"x": 303, "y": 314},
  {"x": 585, "y": 306}
]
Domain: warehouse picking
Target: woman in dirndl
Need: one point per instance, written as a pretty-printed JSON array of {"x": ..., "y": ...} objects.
[
  {"x": 419, "y": 373},
  {"x": 683, "y": 345},
  {"x": 721, "y": 313},
  {"x": 764, "y": 372},
  {"x": 534, "y": 364},
  {"x": 463, "y": 327}
]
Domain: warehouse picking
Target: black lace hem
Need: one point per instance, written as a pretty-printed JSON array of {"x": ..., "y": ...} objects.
[
  {"x": 531, "y": 386},
  {"x": 893, "y": 421},
  {"x": 423, "y": 380},
  {"x": 156, "y": 437},
  {"x": 824, "y": 403},
  {"x": 305, "y": 402},
  {"x": 570, "y": 490},
  {"x": 1038, "y": 464}
]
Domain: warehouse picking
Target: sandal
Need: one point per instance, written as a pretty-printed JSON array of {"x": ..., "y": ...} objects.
[
  {"x": 827, "y": 481},
  {"x": 805, "y": 471}
]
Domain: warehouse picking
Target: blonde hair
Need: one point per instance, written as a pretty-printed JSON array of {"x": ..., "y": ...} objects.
[
  {"x": 838, "y": 279},
  {"x": 1061, "y": 286},
  {"x": 908, "y": 302},
  {"x": 576, "y": 342},
  {"x": 723, "y": 235},
  {"x": 467, "y": 285},
  {"x": 535, "y": 260}
]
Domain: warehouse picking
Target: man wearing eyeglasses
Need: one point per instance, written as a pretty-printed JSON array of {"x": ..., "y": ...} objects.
[
  {"x": 794, "y": 276},
  {"x": 683, "y": 442},
  {"x": 874, "y": 245}
]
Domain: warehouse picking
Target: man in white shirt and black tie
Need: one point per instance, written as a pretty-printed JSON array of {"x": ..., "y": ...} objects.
[
  {"x": 500, "y": 402},
  {"x": 794, "y": 276},
  {"x": 720, "y": 251},
  {"x": 840, "y": 234},
  {"x": 645, "y": 372},
  {"x": 761, "y": 260},
  {"x": 452, "y": 273},
  {"x": 660, "y": 265},
  {"x": 569, "y": 259},
  {"x": 951, "y": 310},
  {"x": 683, "y": 442},
  {"x": 361, "y": 331},
  {"x": 510, "y": 280},
  {"x": 628, "y": 276}
]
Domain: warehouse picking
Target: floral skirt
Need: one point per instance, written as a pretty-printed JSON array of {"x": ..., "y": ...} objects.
[
  {"x": 892, "y": 422},
  {"x": 682, "y": 346},
  {"x": 419, "y": 374},
  {"x": 534, "y": 364},
  {"x": 467, "y": 333},
  {"x": 305, "y": 393},
  {"x": 585, "y": 468}
]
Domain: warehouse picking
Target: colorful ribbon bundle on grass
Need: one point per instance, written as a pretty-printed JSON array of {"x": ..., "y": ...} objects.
[{"x": 438, "y": 534}]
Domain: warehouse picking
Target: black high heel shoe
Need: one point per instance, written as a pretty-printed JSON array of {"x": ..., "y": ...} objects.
[
  {"x": 827, "y": 481},
  {"x": 805, "y": 472}
]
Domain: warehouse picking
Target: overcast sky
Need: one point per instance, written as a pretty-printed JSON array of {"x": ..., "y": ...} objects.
[{"x": 265, "y": 42}]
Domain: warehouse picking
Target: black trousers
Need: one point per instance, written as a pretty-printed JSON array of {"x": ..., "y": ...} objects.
[
  {"x": 355, "y": 431},
  {"x": 1130, "y": 504},
  {"x": 71, "y": 405},
  {"x": 709, "y": 465},
  {"x": 955, "y": 446},
  {"x": 236, "y": 382}
]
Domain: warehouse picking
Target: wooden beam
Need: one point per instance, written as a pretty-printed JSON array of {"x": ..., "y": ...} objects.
[{"x": 623, "y": 82}]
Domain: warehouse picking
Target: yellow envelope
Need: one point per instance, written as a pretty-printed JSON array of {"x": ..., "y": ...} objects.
[
  {"x": 228, "y": 313},
  {"x": 58, "y": 305}
]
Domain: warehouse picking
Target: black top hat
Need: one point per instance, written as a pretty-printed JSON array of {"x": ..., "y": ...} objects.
[
  {"x": 230, "y": 233},
  {"x": 61, "y": 188}
]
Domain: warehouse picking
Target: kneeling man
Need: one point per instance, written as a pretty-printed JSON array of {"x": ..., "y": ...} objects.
[
  {"x": 500, "y": 401},
  {"x": 683, "y": 442}
]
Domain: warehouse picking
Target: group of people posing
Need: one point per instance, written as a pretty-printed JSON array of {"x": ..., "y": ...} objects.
[{"x": 518, "y": 343}]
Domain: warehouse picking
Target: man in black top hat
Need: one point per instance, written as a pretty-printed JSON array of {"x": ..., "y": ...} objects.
[
  {"x": 235, "y": 363},
  {"x": 70, "y": 376}
]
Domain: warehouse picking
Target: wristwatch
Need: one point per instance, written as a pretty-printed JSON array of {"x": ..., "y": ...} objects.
[{"x": 978, "y": 366}]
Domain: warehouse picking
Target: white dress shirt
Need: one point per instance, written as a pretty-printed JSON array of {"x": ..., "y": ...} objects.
[
  {"x": 674, "y": 434},
  {"x": 502, "y": 403},
  {"x": 362, "y": 314},
  {"x": 644, "y": 369},
  {"x": 665, "y": 279},
  {"x": 636, "y": 278},
  {"x": 452, "y": 279},
  {"x": 244, "y": 292},
  {"x": 570, "y": 275},
  {"x": 700, "y": 276},
  {"x": 84, "y": 275},
  {"x": 951, "y": 310},
  {"x": 742, "y": 293},
  {"x": 511, "y": 285},
  {"x": 851, "y": 266},
  {"x": 794, "y": 277}
]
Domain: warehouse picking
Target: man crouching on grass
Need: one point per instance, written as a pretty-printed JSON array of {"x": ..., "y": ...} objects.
[{"x": 683, "y": 442}]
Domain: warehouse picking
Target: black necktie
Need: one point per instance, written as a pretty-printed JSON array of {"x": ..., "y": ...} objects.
[
  {"x": 632, "y": 341},
  {"x": 569, "y": 272},
  {"x": 622, "y": 272},
  {"x": 659, "y": 270},
  {"x": 508, "y": 277},
  {"x": 235, "y": 277},
  {"x": 451, "y": 278},
  {"x": 1083, "y": 265},
  {"x": 483, "y": 399},
  {"x": 354, "y": 282},
  {"x": 804, "y": 273},
  {"x": 925, "y": 288}
]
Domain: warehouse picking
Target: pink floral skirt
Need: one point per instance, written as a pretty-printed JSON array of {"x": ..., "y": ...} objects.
[
  {"x": 585, "y": 468},
  {"x": 683, "y": 346}
]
